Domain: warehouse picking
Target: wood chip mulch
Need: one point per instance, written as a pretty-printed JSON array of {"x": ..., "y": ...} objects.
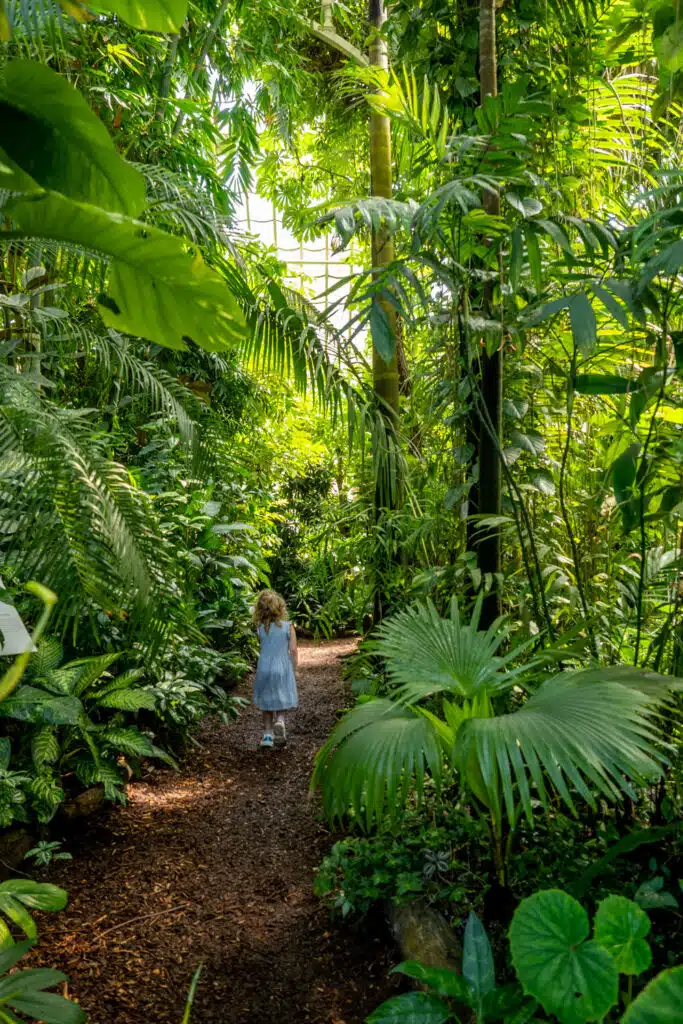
[{"x": 214, "y": 865}]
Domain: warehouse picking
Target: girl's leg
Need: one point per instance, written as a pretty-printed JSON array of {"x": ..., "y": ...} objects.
[
  {"x": 280, "y": 729},
  {"x": 268, "y": 721}
]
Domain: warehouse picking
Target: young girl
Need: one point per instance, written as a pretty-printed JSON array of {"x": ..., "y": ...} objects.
[{"x": 275, "y": 682}]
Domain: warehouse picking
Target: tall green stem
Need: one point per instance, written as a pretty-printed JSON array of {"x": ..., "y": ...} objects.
[
  {"x": 490, "y": 489},
  {"x": 565, "y": 512}
]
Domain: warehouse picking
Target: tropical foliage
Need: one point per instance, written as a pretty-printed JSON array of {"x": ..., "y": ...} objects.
[
  {"x": 467, "y": 446},
  {"x": 573, "y": 978}
]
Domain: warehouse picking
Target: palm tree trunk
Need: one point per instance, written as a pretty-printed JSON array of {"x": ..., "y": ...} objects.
[
  {"x": 385, "y": 375},
  {"x": 489, "y": 490},
  {"x": 199, "y": 64}
]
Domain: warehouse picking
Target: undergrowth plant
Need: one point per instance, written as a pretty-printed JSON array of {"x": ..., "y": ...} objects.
[
  {"x": 592, "y": 731},
  {"x": 561, "y": 971}
]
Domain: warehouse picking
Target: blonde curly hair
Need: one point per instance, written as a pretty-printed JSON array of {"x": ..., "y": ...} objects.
[{"x": 269, "y": 608}]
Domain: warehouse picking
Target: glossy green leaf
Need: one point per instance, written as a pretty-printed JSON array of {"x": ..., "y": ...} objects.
[
  {"x": 668, "y": 261},
  {"x": 377, "y": 752},
  {"x": 411, "y": 1008},
  {"x": 441, "y": 980},
  {"x": 557, "y": 233},
  {"x": 151, "y": 15},
  {"x": 660, "y": 1002},
  {"x": 571, "y": 976},
  {"x": 542, "y": 480},
  {"x": 528, "y": 206},
  {"x": 574, "y": 732},
  {"x": 37, "y": 895},
  {"x": 611, "y": 304},
  {"x": 603, "y": 384},
  {"x": 29, "y": 704},
  {"x": 584, "y": 326},
  {"x": 547, "y": 310},
  {"x": 76, "y": 155},
  {"x": 624, "y": 470},
  {"x": 668, "y": 44},
  {"x": 44, "y": 746},
  {"x": 382, "y": 335},
  {"x": 620, "y": 928},
  {"x": 157, "y": 288},
  {"x": 534, "y": 257},
  {"x": 477, "y": 959},
  {"x": 652, "y": 895},
  {"x": 529, "y": 441},
  {"x": 516, "y": 408},
  {"x": 35, "y": 979},
  {"x": 13, "y": 954},
  {"x": 516, "y": 257},
  {"x": 49, "y": 1008}
]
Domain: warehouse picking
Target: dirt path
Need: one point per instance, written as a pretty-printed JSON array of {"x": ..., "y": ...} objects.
[{"x": 217, "y": 864}]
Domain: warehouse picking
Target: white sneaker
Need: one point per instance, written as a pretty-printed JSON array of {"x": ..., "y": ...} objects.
[
  {"x": 280, "y": 733},
  {"x": 267, "y": 740}
]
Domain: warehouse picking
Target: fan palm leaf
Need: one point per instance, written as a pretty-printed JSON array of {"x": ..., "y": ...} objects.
[
  {"x": 375, "y": 754},
  {"x": 451, "y": 655},
  {"x": 586, "y": 732},
  {"x": 576, "y": 732}
]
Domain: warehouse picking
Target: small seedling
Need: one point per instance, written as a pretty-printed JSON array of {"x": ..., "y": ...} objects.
[{"x": 44, "y": 853}]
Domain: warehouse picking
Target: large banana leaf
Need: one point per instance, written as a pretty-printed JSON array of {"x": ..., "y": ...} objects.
[
  {"x": 150, "y": 15},
  {"x": 576, "y": 731},
  {"x": 158, "y": 289},
  {"x": 49, "y": 130},
  {"x": 425, "y": 654},
  {"x": 371, "y": 760}
]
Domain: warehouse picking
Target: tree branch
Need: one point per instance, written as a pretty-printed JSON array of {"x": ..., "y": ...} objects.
[{"x": 334, "y": 40}]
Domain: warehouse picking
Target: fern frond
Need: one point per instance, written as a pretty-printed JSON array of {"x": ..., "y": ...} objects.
[{"x": 87, "y": 531}]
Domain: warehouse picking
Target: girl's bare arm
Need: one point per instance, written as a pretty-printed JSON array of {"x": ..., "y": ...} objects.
[{"x": 293, "y": 649}]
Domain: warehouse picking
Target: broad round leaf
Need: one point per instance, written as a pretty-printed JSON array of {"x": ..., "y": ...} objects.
[
  {"x": 620, "y": 928},
  {"x": 661, "y": 1002},
  {"x": 575, "y": 979},
  {"x": 411, "y": 1008}
]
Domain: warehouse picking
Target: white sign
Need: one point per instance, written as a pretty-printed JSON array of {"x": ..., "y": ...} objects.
[{"x": 15, "y": 638}]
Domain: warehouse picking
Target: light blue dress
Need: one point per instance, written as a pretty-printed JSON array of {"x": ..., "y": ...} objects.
[{"x": 275, "y": 683}]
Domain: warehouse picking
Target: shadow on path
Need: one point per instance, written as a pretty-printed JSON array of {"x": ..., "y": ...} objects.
[{"x": 217, "y": 863}]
